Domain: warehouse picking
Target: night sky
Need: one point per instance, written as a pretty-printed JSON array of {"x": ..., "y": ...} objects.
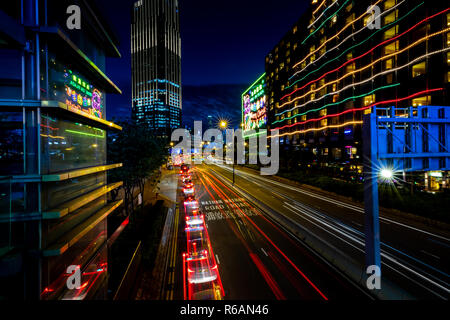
[{"x": 223, "y": 42}]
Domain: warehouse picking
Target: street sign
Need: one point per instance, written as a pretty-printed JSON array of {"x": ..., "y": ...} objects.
[{"x": 400, "y": 139}]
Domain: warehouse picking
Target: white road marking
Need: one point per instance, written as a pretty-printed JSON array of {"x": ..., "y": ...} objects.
[
  {"x": 264, "y": 252},
  {"x": 430, "y": 254},
  {"x": 217, "y": 259}
]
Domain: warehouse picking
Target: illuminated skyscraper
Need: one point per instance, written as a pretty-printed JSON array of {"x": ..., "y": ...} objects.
[
  {"x": 337, "y": 63},
  {"x": 156, "y": 64}
]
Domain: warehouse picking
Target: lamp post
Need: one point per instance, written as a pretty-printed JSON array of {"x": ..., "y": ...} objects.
[{"x": 224, "y": 125}]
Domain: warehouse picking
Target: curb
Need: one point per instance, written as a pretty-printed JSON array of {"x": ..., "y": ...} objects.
[{"x": 161, "y": 261}]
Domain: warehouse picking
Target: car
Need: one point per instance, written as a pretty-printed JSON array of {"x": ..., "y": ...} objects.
[
  {"x": 188, "y": 183},
  {"x": 184, "y": 169},
  {"x": 186, "y": 177},
  {"x": 190, "y": 200},
  {"x": 188, "y": 191},
  {"x": 199, "y": 269}
]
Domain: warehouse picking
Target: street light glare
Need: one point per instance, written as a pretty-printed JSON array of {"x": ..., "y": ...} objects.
[{"x": 387, "y": 173}]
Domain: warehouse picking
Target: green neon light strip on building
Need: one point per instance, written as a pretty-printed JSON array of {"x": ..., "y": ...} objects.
[
  {"x": 320, "y": 27},
  {"x": 252, "y": 135},
  {"x": 242, "y": 98},
  {"x": 254, "y": 83},
  {"x": 87, "y": 134},
  {"x": 356, "y": 45},
  {"x": 339, "y": 102}
]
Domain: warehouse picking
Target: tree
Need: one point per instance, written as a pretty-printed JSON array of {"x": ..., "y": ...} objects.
[{"x": 141, "y": 154}]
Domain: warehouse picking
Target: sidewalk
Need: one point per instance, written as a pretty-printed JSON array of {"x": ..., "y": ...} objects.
[{"x": 151, "y": 285}]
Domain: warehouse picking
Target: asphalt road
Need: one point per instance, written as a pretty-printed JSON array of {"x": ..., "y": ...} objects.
[
  {"x": 258, "y": 259},
  {"x": 414, "y": 256}
]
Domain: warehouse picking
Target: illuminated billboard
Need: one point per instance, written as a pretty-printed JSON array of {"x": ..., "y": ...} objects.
[
  {"x": 83, "y": 96},
  {"x": 254, "y": 106}
]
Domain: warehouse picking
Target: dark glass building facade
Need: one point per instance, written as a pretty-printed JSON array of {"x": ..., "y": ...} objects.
[
  {"x": 53, "y": 166},
  {"x": 156, "y": 65},
  {"x": 339, "y": 61}
]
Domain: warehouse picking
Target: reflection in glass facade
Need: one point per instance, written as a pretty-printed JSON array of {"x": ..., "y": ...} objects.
[
  {"x": 11, "y": 143},
  {"x": 67, "y": 145},
  {"x": 53, "y": 179}
]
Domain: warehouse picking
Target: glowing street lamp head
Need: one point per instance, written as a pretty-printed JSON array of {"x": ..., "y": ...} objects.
[
  {"x": 223, "y": 124},
  {"x": 387, "y": 174}
]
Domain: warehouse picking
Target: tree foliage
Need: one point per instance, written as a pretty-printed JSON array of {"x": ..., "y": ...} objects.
[{"x": 141, "y": 154}]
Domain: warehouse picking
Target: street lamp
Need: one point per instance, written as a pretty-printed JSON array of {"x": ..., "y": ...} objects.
[
  {"x": 387, "y": 174},
  {"x": 223, "y": 124}
]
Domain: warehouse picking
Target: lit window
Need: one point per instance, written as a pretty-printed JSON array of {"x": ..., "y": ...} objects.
[
  {"x": 418, "y": 69},
  {"x": 323, "y": 112},
  {"x": 350, "y": 18},
  {"x": 421, "y": 101},
  {"x": 294, "y": 31},
  {"x": 389, "y": 78},
  {"x": 389, "y": 4},
  {"x": 303, "y": 117},
  {"x": 388, "y": 64},
  {"x": 391, "y": 48},
  {"x": 368, "y": 100},
  {"x": 392, "y": 32},
  {"x": 391, "y": 17},
  {"x": 335, "y": 98},
  {"x": 334, "y": 87}
]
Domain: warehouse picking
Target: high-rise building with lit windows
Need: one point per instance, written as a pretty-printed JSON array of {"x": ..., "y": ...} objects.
[
  {"x": 339, "y": 60},
  {"x": 156, "y": 65}
]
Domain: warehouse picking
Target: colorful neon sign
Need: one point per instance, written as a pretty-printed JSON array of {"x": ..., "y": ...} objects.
[
  {"x": 82, "y": 96},
  {"x": 254, "y": 105}
]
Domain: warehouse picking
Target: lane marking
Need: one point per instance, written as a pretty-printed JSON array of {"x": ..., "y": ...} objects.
[
  {"x": 339, "y": 203},
  {"x": 264, "y": 252},
  {"x": 361, "y": 243},
  {"x": 217, "y": 259},
  {"x": 430, "y": 254}
]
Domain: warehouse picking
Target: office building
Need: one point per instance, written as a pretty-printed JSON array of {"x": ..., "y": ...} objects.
[
  {"x": 156, "y": 65},
  {"x": 339, "y": 61},
  {"x": 53, "y": 165}
]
